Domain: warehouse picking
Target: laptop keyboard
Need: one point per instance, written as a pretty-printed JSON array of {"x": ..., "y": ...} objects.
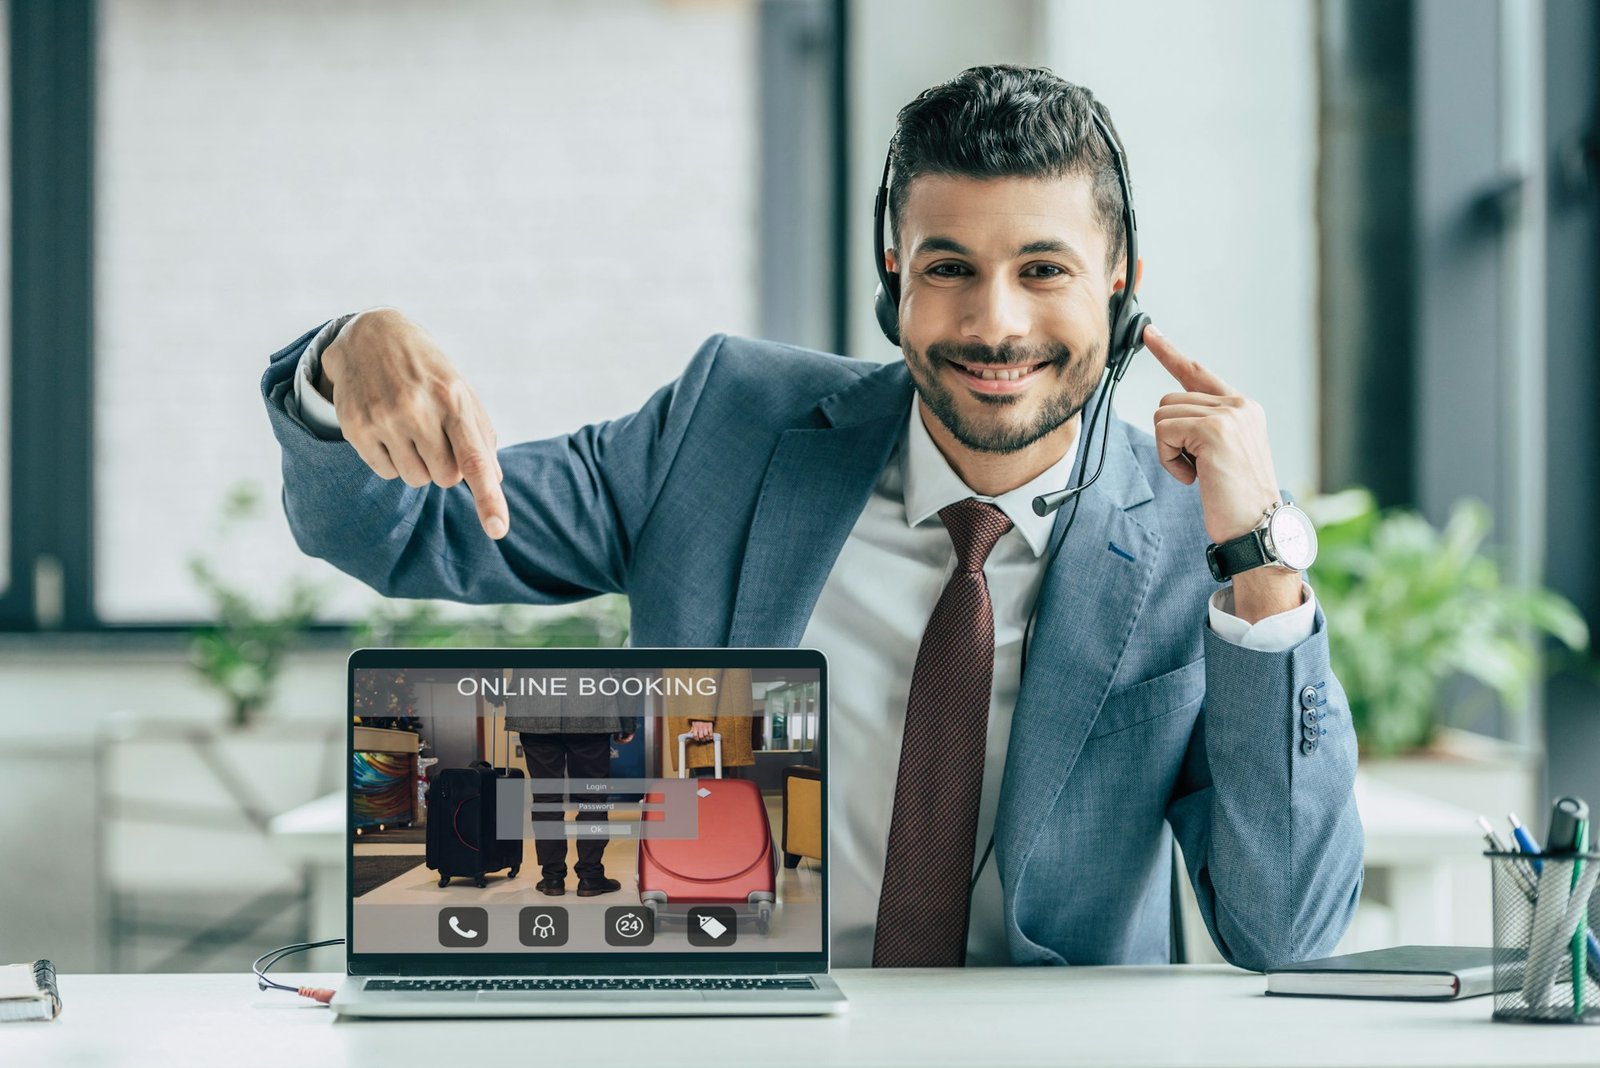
[{"x": 637, "y": 983}]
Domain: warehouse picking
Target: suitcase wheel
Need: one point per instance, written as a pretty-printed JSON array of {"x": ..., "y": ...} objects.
[
  {"x": 764, "y": 918},
  {"x": 512, "y": 874},
  {"x": 444, "y": 880},
  {"x": 481, "y": 880}
]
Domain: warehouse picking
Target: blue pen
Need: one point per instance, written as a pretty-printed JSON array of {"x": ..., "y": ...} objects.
[{"x": 1525, "y": 842}]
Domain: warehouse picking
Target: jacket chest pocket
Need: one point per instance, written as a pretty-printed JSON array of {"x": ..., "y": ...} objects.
[{"x": 1151, "y": 699}]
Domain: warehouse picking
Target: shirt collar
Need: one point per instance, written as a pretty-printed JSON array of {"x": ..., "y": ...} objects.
[{"x": 931, "y": 484}]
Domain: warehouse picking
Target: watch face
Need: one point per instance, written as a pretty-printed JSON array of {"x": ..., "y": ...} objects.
[{"x": 1294, "y": 539}]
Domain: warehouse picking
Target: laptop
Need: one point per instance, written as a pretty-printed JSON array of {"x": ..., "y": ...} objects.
[{"x": 595, "y": 832}]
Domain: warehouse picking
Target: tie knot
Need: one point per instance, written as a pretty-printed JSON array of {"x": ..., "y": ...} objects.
[{"x": 974, "y": 527}]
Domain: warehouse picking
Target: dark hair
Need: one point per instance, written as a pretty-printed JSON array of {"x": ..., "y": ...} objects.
[{"x": 1004, "y": 121}]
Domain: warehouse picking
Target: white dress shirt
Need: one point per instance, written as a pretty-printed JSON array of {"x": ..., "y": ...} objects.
[{"x": 869, "y": 620}]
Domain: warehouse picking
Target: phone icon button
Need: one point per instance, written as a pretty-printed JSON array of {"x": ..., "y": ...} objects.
[{"x": 463, "y": 927}]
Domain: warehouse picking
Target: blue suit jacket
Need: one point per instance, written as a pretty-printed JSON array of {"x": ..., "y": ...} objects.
[{"x": 719, "y": 508}]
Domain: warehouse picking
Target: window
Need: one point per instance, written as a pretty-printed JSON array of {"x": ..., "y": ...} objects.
[{"x": 566, "y": 195}]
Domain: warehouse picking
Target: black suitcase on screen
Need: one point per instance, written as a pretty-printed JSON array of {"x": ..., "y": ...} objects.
[{"x": 461, "y": 825}]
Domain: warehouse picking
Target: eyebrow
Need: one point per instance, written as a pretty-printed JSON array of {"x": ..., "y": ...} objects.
[{"x": 945, "y": 244}]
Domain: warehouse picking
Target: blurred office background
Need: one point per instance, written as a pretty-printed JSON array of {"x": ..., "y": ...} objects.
[{"x": 1381, "y": 218}]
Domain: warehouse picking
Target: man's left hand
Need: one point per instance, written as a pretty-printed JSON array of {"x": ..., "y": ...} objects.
[{"x": 1211, "y": 432}]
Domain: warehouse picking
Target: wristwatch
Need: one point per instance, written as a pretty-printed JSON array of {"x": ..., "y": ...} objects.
[{"x": 1285, "y": 538}]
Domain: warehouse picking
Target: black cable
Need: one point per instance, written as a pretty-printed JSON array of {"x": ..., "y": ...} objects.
[{"x": 263, "y": 983}]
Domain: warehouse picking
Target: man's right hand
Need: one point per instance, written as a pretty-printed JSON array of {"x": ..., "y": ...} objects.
[{"x": 410, "y": 414}]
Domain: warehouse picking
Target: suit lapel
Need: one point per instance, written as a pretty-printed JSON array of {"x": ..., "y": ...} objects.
[
  {"x": 1090, "y": 599},
  {"x": 817, "y": 483}
]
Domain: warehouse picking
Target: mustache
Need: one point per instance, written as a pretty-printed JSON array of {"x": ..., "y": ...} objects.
[{"x": 980, "y": 355}]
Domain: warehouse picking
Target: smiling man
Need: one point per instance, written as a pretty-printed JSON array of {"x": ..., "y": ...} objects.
[{"x": 1026, "y": 708}]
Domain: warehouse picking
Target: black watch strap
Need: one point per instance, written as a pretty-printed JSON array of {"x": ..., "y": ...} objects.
[{"x": 1239, "y": 554}]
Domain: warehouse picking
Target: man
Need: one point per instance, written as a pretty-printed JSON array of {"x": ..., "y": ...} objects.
[{"x": 774, "y": 496}]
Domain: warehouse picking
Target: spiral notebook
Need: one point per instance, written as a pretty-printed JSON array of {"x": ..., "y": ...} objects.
[{"x": 28, "y": 992}]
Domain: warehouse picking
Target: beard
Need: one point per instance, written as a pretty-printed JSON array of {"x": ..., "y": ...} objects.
[{"x": 1071, "y": 384}]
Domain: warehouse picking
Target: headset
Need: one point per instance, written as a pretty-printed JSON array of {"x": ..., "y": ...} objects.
[{"x": 1127, "y": 321}]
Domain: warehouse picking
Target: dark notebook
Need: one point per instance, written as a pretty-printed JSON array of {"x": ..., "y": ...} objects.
[
  {"x": 28, "y": 992},
  {"x": 1417, "y": 972}
]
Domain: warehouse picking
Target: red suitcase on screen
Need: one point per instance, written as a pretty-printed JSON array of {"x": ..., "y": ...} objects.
[{"x": 731, "y": 862}]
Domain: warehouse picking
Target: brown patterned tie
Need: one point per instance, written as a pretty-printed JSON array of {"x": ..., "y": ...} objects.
[{"x": 922, "y": 909}]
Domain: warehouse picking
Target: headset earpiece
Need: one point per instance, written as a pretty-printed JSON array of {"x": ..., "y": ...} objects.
[
  {"x": 1127, "y": 334},
  {"x": 887, "y": 308},
  {"x": 886, "y": 301}
]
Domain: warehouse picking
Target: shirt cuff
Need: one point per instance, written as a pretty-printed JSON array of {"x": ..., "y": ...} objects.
[
  {"x": 1274, "y": 634},
  {"x": 308, "y": 404}
]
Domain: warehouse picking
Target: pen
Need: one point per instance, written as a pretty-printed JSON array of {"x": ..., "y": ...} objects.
[
  {"x": 1517, "y": 868},
  {"x": 1525, "y": 842}
]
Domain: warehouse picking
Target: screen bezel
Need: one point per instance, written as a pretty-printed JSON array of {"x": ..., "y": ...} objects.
[{"x": 619, "y": 962}]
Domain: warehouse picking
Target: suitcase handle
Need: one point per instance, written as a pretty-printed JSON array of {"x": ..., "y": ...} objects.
[{"x": 683, "y": 745}]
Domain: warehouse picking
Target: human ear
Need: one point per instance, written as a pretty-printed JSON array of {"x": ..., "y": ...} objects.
[{"x": 1138, "y": 276}]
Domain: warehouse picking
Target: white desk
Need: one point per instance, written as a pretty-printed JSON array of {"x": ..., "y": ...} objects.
[{"x": 1193, "y": 1016}]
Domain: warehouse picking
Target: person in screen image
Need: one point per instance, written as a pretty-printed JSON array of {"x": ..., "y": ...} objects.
[
  {"x": 726, "y": 710},
  {"x": 1044, "y": 697},
  {"x": 569, "y": 736}
]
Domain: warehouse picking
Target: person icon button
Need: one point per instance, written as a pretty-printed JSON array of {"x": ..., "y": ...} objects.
[{"x": 542, "y": 926}]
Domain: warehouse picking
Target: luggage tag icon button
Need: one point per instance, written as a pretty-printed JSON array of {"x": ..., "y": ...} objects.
[{"x": 712, "y": 925}]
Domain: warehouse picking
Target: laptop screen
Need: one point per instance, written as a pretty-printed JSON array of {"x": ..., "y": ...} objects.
[{"x": 587, "y": 810}]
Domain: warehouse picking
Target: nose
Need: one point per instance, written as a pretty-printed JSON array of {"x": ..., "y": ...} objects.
[{"x": 999, "y": 313}]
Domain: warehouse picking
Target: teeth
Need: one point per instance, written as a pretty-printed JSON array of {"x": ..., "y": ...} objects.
[{"x": 1007, "y": 375}]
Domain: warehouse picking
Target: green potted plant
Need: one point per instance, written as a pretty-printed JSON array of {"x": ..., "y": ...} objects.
[
  {"x": 1410, "y": 606},
  {"x": 241, "y": 653}
]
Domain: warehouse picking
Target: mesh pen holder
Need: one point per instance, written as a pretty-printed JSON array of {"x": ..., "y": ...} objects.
[{"x": 1535, "y": 917}]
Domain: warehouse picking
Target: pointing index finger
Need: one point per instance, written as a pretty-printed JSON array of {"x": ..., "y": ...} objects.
[
  {"x": 481, "y": 469},
  {"x": 1191, "y": 374}
]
